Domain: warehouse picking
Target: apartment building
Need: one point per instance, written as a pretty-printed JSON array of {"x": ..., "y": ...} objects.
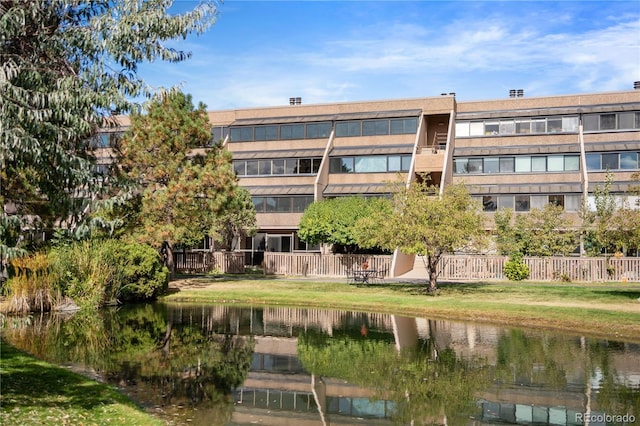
[{"x": 514, "y": 151}]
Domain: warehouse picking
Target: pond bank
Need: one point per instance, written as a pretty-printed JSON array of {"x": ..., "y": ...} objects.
[{"x": 594, "y": 309}]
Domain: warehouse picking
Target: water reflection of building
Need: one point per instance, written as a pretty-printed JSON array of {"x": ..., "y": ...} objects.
[{"x": 279, "y": 391}]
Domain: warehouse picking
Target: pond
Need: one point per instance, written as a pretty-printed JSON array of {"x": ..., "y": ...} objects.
[{"x": 229, "y": 365}]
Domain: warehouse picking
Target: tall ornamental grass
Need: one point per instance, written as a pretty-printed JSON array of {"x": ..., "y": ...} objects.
[{"x": 91, "y": 274}]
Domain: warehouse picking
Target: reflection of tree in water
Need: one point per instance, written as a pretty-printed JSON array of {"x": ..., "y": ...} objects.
[
  {"x": 139, "y": 350},
  {"x": 427, "y": 384}
]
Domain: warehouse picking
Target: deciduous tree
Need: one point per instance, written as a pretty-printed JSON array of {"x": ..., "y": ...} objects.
[
  {"x": 333, "y": 221},
  {"x": 419, "y": 221},
  {"x": 65, "y": 67}
]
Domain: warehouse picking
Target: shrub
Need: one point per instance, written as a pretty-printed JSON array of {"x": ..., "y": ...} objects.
[
  {"x": 142, "y": 275},
  {"x": 515, "y": 269}
]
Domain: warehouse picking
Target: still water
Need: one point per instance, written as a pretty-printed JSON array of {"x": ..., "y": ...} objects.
[{"x": 228, "y": 365}]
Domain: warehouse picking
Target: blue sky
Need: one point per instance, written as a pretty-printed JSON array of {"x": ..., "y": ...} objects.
[{"x": 261, "y": 53}]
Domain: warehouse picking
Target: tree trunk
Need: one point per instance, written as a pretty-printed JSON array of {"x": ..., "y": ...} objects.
[
  {"x": 169, "y": 262},
  {"x": 432, "y": 266}
]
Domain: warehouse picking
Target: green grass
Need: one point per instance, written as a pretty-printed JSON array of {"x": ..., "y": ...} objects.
[
  {"x": 33, "y": 392},
  {"x": 605, "y": 310}
]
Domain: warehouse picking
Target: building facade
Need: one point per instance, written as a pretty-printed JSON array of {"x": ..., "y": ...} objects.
[{"x": 513, "y": 152}]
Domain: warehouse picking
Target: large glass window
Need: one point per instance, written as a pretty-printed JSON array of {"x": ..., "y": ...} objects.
[
  {"x": 252, "y": 167},
  {"x": 489, "y": 203},
  {"x": 555, "y": 163},
  {"x": 264, "y": 167},
  {"x": 626, "y": 120},
  {"x": 523, "y": 126},
  {"x": 593, "y": 162},
  {"x": 291, "y": 166},
  {"x": 538, "y": 201},
  {"x": 607, "y": 121},
  {"x": 401, "y": 126},
  {"x": 474, "y": 165},
  {"x": 522, "y": 203},
  {"x": 610, "y": 161},
  {"x": 318, "y": 130},
  {"x": 538, "y": 164},
  {"x": 571, "y": 163},
  {"x": 242, "y": 134},
  {"x": 406, "y": 162},
  {"x": 572, "y": 203},
  {"x": 375, "y": 127},
  {"x": 538, "y": 125},
  {"x": 507, "y": 164},
  {"x": 292, "y": 131},
  {"x": 523, "y": 164},
  {"x": 266, "y": 133},
  {"x": 554, "y": 124},
  {"x": 570, "y": 124},
  {"x": 491, "y": 127},
  {"x": 341, "y": 165},
  {"x": 462, "y": 129},
  {"x": 491, "y": 165},
  {"x": 373, "y": 163},
  {"x": 239, "y": 167},
  {"x": 557, "y": 200},
  {"x": 628, "y": 160},
  {"x": 277, "y": 166},
  {"x": 304, "y": 165},
  {"x": 507, "y": 127},
  {"x": 394, "y": 163},
  {"x": 505, "y": 202},
  {"x": 461, "y": 166},
  {"x": 476, "y": 128},
  {"x": 348, "y": 128}
]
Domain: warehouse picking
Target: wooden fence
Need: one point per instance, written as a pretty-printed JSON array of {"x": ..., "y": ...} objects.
[
  {"x": 591, "y": 269},
  {"x": 206, "y": 261},
  {"x": 327, "y": 265}
]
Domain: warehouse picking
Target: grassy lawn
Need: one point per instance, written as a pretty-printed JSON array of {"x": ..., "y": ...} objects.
[
  {"x": 34, "y": 392},
  {"x": 604, "y": 310}
]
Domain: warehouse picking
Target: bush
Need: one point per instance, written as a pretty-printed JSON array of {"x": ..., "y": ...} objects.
[
  {"x": 142, "y": 275},
  {"x": 100, "y": 273},
  {"x": 515, "y": 269}
]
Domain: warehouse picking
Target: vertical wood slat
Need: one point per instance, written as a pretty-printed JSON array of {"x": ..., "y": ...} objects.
[
  {"x": 204, "y": 261},
  {"x": 316, "y": 264}
]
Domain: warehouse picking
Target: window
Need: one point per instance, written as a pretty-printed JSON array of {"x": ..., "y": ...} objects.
[
  {"x": 572, "y": 203},
  {"x": 266, "y": 133},
  {"x": 348, "y": 128},
  {"x": 318, "y": 130},
  {"x": 241, "y": 134},
  {"x": 406, "y": 162},
  {"x": 264, "y": 167},
  {"x": 523, "y": 164},
  {"x": 373, "y": 163},
  {"x": 252, "y": 168},
  {"x": 491, "y": 127},
  {"x": 538, "y": 164},
  {"x": 461, "y": 166},
  {"x": 491, "y": 165},
  {"x": 341, "y": 165},
  {"x": 626, "y": 120},
  {"x": 258, "y": 203},
  {"x": 571, "y": 163},
  {"x": 538, "y": 125},
  {"x": 557, "y": 200},
  {"x": 476, "y": 128},
  {"x": 375, "y": 127},
  {"x": 300, "y": 204},
  {"x": 290, "y": 166},
  {"x": 609, "y": 161},
  {"x": 277, "y": 166},
  {"x": 315, "y": 166},
  {"x": 555, "y": 163},
  {"x": 507, "y": 127},
  {"x": 271, "y": 204},
  {"x": 489, "y": 203},
  {"x": 304, "y": 166},
  {"x": 522, "y": 203},
  {"x": 292, "y": 131},
  {"x": 523, "y": 126},
  {"x": 570, "y": 124},
  {"x": 593, "y": 162},
  {"x": 462, "y": 129},
  {"x": 239, "y": 167},
  {"x": 607, "y": 122},
  {"x": 554, "y": 124},
  {"x": 402, "y": 126},
  {"x": 591, "y": 122},
  {"x": 474, "y": 165},
  {"x": 505, "y": 202},
  {"x": 393, "y": 163},
  {"x": 628, "y": 160},
  {"x": 507, "y": 164},
  {"x": 539, "y": 201}
]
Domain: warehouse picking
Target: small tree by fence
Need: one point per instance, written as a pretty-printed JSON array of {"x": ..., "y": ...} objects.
[{"x": 205, "y": 261}]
